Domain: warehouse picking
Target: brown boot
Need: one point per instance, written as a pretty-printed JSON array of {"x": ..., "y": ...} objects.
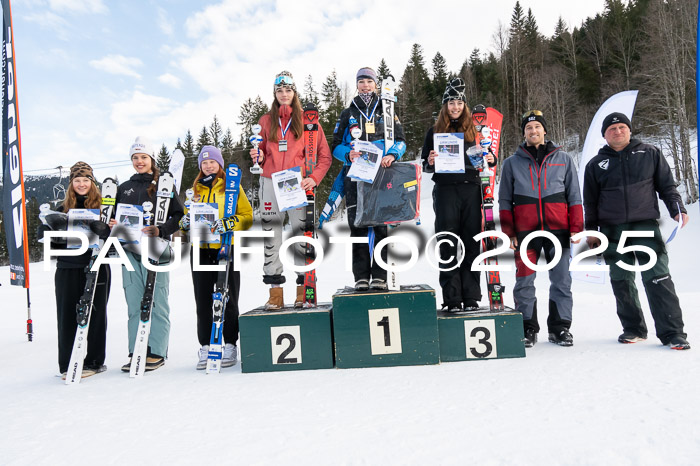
[
  {"x": 276, "y": 301},
  {"x": 301, "y": 291}
]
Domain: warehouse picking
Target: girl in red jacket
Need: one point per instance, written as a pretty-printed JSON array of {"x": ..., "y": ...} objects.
[{"x": 283, "y": 148}]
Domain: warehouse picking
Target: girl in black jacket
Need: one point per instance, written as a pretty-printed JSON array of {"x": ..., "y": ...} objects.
[
  {"x": 457, "y": 202},
  {"x": 70, "y": 280}
]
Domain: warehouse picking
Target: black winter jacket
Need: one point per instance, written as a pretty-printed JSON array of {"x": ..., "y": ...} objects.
[
  {"x": 134, "y": 191},
  {"x": 620, "y": 187},
  {"x": 342, "y": 140}
]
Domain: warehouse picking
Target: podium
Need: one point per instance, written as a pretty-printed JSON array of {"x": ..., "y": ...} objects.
[
  {"x": 385, "y": 328},
  {"x": 480, "y": 335},
  {"x": 286, "y": 340}
]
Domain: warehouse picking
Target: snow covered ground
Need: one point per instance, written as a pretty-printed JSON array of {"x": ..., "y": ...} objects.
[{"x": 597, "y": 402}]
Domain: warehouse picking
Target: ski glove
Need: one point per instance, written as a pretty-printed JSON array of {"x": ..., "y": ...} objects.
[
  {"x": 185, "y": 223},
  {"x": 224, "y": 225},
  {"x": 397, "y": 150},
  {"x": 100, "y": 228},
  {"x": 57, "y": 221}
]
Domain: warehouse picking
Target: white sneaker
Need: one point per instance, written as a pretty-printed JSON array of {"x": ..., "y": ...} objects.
[
  {"x": 230, "y": 355},
  {"x": 203, "y": 354}
]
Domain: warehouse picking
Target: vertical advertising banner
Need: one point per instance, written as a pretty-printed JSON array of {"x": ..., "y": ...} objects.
[{"x": 14, "y": 211}]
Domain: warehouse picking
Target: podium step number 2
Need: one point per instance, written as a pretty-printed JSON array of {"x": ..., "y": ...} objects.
[{"x": 286, "y": 344}]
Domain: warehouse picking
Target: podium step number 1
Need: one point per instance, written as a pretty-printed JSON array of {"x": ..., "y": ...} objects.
[{"x": 385, "y": 331}]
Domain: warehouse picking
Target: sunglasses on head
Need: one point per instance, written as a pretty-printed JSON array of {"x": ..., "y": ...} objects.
[
  {"x": 284, "y": 80},
  {"x": 532, "y": 113}
]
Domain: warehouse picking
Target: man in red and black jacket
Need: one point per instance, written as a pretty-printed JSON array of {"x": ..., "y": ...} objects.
[
  {"x": 620, "y": 195},
  {"x": 539, "y": 190}
]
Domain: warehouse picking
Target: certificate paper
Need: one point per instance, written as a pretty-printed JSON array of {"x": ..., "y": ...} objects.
[
  {"x": 79, "y": 220},
  {"x": 129, "y": 224},
  {"x": 365, "y": 167},
  {"x": 287, "y": 184},
  {"x": 202, "y": 217},
  {"x": 450, "y": 149}
]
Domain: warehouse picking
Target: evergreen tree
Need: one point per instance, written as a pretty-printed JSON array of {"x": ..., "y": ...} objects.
[
  {"x": 532, "y": 33},
  {"x": 332, "y": 97},
  {"x": 35, "y": 248},
  {"x": 215, "y": 133},
  {"x": 188, "y": 146},
  {"x": 163, "y": 160},
  {"x": 414, "y": 106},
  {"x": 191, "y": 167},
  {"x": 250, "y": 113},
  {"x": 203, "y": 140},
  {"x": 383, "y": 70},
  {"x": 439, "y": 79},
  {"x": 227, "y": 146},
  {"x": 310, "y": 94}
]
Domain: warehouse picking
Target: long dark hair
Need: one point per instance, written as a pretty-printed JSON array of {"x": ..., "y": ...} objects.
[
  {"x": 297, "y": 125},
  {"x": 464, "y": 123}
]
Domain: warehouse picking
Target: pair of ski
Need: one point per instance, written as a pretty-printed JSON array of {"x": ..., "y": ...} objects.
[
  {"x": 220, "y": 295},
  {"x": 388, "y": 98},
  {"x": 165, "y": 192},
  {"x": 85, "y": 303},
  {"x": 484, "y": 119},
  {"x": 311, "y": 141}
]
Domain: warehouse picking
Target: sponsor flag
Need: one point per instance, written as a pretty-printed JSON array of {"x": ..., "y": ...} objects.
[{"x": 14, "y": 211}]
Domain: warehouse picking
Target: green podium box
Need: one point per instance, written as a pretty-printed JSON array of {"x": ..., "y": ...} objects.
[
  {"x": 480, "y": 335},
  {"x": 286, "y": 340},
  {"x": 387, "y": 328}
]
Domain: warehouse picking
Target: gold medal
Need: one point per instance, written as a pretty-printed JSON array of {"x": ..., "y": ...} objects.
[{"x": 369, "y": 127}]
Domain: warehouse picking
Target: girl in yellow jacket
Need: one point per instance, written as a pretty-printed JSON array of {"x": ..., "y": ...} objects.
[{"x": 209, "y": 187}]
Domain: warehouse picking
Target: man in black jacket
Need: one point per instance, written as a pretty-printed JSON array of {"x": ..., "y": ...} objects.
[{"x": 620, "y": 195}]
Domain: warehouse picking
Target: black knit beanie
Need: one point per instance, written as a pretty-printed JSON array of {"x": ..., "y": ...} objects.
[
  {"x": 613, "y": 119},
  {"x": 454, "y": 91}
]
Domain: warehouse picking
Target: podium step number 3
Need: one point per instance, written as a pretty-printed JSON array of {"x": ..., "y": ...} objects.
[{"x": 480, "y": 339}]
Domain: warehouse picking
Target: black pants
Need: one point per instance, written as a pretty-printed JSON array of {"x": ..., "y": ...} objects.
[
  {"x": 458, "y": 210},
  {"x": 362, "y": 266},
  {"x": 203, "y": 288},
  {"x": 660, "y": 290},
  {"x": 70, "y": 284}
]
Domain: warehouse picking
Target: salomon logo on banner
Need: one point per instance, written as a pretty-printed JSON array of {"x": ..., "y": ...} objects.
[{"x": 604, "y": 164}]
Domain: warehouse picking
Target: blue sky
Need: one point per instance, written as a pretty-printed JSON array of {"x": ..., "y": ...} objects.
[{"x": 94, "y": 74}]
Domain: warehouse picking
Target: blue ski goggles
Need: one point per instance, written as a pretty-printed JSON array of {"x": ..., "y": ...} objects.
[{"x": 284, "y": 80}]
